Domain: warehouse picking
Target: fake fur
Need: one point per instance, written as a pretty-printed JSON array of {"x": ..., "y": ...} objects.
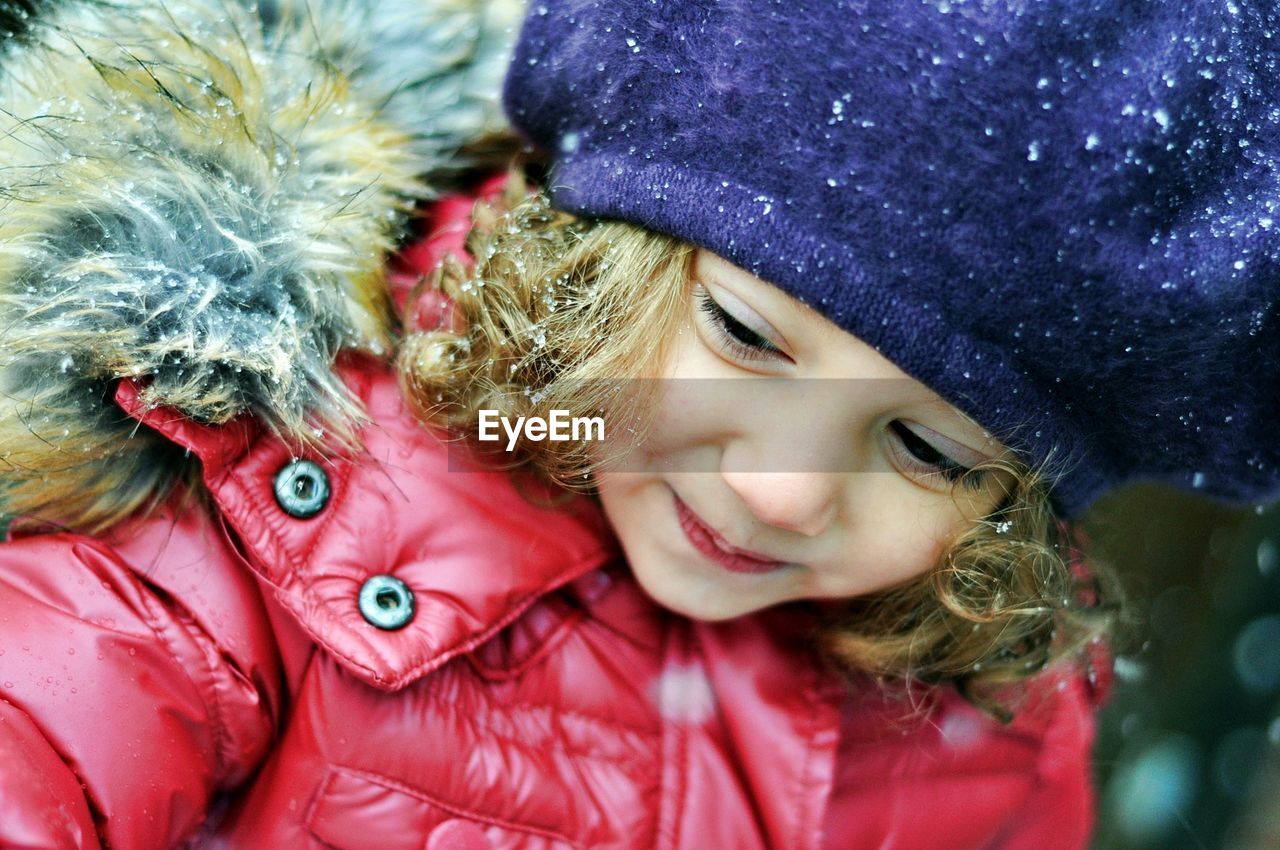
[{"x": 201, "y": 195}]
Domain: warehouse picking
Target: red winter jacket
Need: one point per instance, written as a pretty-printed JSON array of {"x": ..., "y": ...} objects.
[{"x": 216, "y": 673}]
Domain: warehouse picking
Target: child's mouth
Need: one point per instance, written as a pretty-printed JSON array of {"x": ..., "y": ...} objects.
[{"x": 715, "y": 547}]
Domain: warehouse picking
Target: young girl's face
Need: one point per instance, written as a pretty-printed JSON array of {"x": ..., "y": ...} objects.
[{"x": 768, "y": 486}]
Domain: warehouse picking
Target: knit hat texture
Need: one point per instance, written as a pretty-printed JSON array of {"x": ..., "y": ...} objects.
[{"x": 1060, "y": 216}]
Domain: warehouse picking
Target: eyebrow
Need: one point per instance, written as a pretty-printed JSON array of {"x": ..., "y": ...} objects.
[
  {"x": 710, "y": 271},
  {"x": 943, "y": 406},
  {"x": 715, "y": 276}
]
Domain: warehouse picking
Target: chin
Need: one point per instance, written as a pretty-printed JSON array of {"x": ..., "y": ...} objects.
[
  {"x": 685, "y": 594},
  {"x": 642, "y": 513},
  {"x": 705, "y": 614}
]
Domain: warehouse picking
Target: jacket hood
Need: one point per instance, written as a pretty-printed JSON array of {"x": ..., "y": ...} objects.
[{"x": 202, "y": 195}]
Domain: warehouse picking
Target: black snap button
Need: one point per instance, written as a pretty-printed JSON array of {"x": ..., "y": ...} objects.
[
  {"x": 301, "y": 488},
  {"x": 386, "y": 602}
]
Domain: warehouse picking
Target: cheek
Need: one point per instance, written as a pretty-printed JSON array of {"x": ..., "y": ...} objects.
[
  {"x": 672, "y": 401},
  {"x": 692, "y": 420},
  {"x": 910, "y": 555},
  {"x": 620, "y": 498},
  {"x": 902, "y": 539}
]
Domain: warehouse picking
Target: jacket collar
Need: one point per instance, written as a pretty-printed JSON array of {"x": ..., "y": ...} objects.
[{"x": 473, "y": 551}]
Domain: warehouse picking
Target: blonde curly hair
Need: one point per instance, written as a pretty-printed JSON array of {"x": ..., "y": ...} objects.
[{"x": 558, "y": 312}]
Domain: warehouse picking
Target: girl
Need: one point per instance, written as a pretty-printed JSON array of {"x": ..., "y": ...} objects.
[{"x": 915, "y": 283}]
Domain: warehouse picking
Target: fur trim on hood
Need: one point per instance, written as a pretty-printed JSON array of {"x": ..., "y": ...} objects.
[{"x": 202, "y": 193}]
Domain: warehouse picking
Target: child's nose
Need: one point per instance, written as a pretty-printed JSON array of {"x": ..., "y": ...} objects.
[{"x": 804, "y": 502}]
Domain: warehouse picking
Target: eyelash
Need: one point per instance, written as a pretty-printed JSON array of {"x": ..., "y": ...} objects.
[
  {"x": 743, "y": 342},
  {"x": 926, "y": 460}
]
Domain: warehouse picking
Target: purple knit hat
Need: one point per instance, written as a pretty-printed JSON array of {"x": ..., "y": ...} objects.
[{"x": 1063, "y": 217}]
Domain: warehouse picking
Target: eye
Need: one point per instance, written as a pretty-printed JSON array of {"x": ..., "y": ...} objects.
[
  {"x": 734, "y": 335},
  {"x": 918, "y": 456}
]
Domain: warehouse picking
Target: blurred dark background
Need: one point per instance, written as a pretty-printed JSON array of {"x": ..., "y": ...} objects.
[{"x": 1188, "y": 750}]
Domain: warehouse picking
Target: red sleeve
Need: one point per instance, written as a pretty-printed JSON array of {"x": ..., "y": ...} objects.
[
  {"x": 1059, "y": 811},
  {"x": 946, "y": 775},
  {"x": 135, "y": 683},
  {"x": 41, "y": 804}
]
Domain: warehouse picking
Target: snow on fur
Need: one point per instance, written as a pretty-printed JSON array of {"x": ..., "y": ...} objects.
[{"x": 202, "y": 194}]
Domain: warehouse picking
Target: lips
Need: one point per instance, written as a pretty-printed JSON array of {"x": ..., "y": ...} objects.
[{"x": 715, "y": 547}]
